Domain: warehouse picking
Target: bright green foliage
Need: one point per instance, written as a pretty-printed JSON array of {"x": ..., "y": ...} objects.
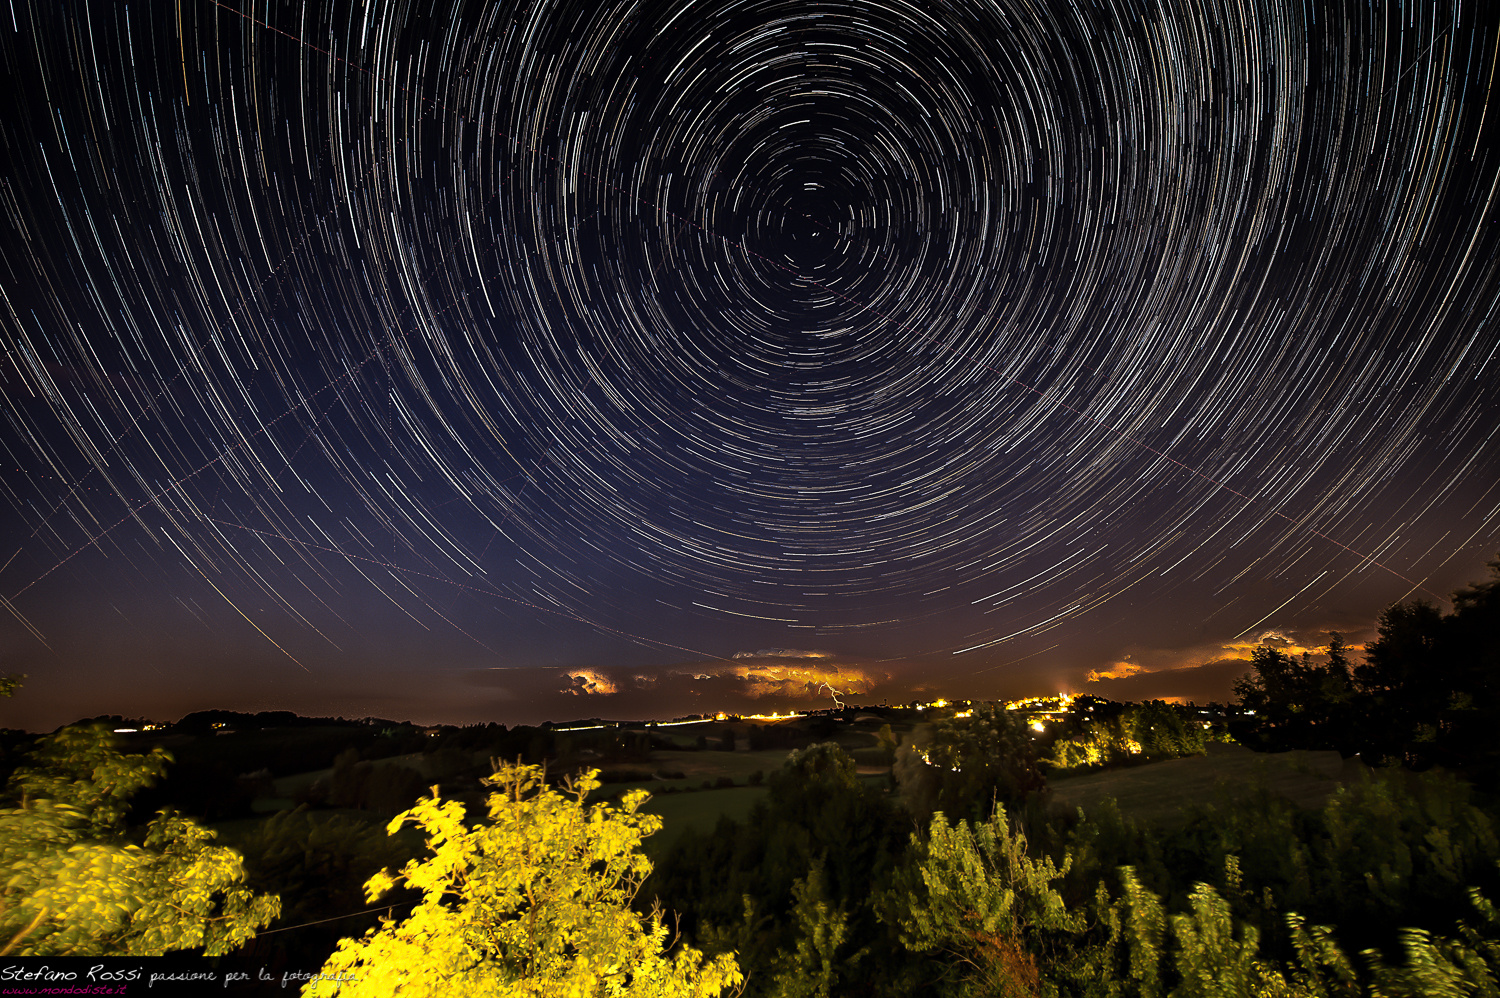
[
  {"x": 964, "y": 765},
  {"x": 1019, "y": 924},
  {"x": 79, "y": 767},
  {"x": 1151, "y": 730},
  {"x": 1394, "y": 849},
  {"x": 75, "y": 884},
  {"x": 812, "y": 970},
  {"x": 1439, "y": 967},
  {"x": 1203, "y": 952},
  {"x": 9, "y": 685},
  {"x": 535, "y": 900},
  {"x": 971, "y": 891},
  {"x": 1320, "y": 968},
  {"x": 1216, "y": 957},
  {"x": 1100, "y": 743}
]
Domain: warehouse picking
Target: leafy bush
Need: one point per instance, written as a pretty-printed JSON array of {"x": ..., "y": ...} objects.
[
  {"x": 76, "y": 882},
  {"x": 535, "y": 900}
]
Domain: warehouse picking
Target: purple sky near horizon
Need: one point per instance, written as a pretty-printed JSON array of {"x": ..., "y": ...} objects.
[{"x": 520, "y": 362}]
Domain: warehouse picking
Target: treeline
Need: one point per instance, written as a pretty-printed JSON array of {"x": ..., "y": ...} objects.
[
  {"x": 1426, "y": 694},
  {"x": 1101, "y": 734}
]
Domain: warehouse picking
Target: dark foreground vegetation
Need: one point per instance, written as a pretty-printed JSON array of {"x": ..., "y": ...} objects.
[{"x": 924, "y": 849}]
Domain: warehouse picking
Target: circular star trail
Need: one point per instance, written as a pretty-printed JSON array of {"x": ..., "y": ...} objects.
[{"x": 899, "y": 327}]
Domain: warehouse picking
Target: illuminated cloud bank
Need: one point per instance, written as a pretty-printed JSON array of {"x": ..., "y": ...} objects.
[{"x": 755, "y": 676}]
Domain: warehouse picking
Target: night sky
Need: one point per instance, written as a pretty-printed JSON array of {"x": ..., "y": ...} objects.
[{"x": 508, "y": 361}]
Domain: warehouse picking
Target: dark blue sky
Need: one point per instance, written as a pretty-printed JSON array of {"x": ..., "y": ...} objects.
[{"x": 522, "y": 361}]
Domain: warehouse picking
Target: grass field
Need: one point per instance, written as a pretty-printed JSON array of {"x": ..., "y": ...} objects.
[
  {"x": 1153, "y": 793},
  {"x": 696, "y": 767},
  {"x": 237, "y": 829},
  {"x": 699, "y": 810},
  {"x": 1156, "y": 792},
  {"x": 287, "y": 787}
]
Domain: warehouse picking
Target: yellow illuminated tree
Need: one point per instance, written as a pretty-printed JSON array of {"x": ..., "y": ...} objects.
[
  {"x": 76, "y": 880},
  {"x": 534, "y": 901}
]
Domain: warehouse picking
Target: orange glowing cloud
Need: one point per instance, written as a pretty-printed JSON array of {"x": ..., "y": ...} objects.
[
  {"x": 1207, "y": 669},
  {"x": 775, "y": 672},
  {"x": 1244, "y": 649},
  {"x": 1281, "y": 642},
  {"x": 1119, "y": 670},
  {"x": 779, "y": 679},
  {"x": 588, "y": 681}
]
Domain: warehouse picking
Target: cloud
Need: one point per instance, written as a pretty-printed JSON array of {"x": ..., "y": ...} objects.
[
  {"x": 1118, "y": 670},
  {"x": 1203, "y": 671},
  {"x": 1279, "y": 640},
  {"x": 790, "y": 675},
  {"x": 783, "y": 653},
  {"x": 764, "y": 679},
  {"x": 1211, "y": 681},
  {"x": 589, "y": 682}
]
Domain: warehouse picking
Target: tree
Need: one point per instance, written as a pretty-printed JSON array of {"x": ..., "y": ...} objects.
[
  {"x": 964, "y": 764},
  {"x": 1428, "y": 681},
  {"x": 1412, "y": 681},
  {"x": 972, "y": 892},
  {"x": 1298, "y": 703},
  {"x": 789, "y": 890},
  {"x": 535, "y": 900},
  {"x": 812, "y": 968},
  {"x": 1150, "y": 730},
  {"x": 72, "y": 881},
  {"x": 1405, "y": 659}
]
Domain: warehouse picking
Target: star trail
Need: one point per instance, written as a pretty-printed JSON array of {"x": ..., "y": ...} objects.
[{"x": 454, "y": 358}]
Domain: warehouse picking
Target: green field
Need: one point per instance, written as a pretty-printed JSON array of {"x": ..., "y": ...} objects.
[
  {"x": 1156, "y": 792},
  {"x": 696, "y": 767},
  {"x": 698, "y": 810},
  {"x": 236, "y": 830},
  {"x": 1152, "y": 793}
]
